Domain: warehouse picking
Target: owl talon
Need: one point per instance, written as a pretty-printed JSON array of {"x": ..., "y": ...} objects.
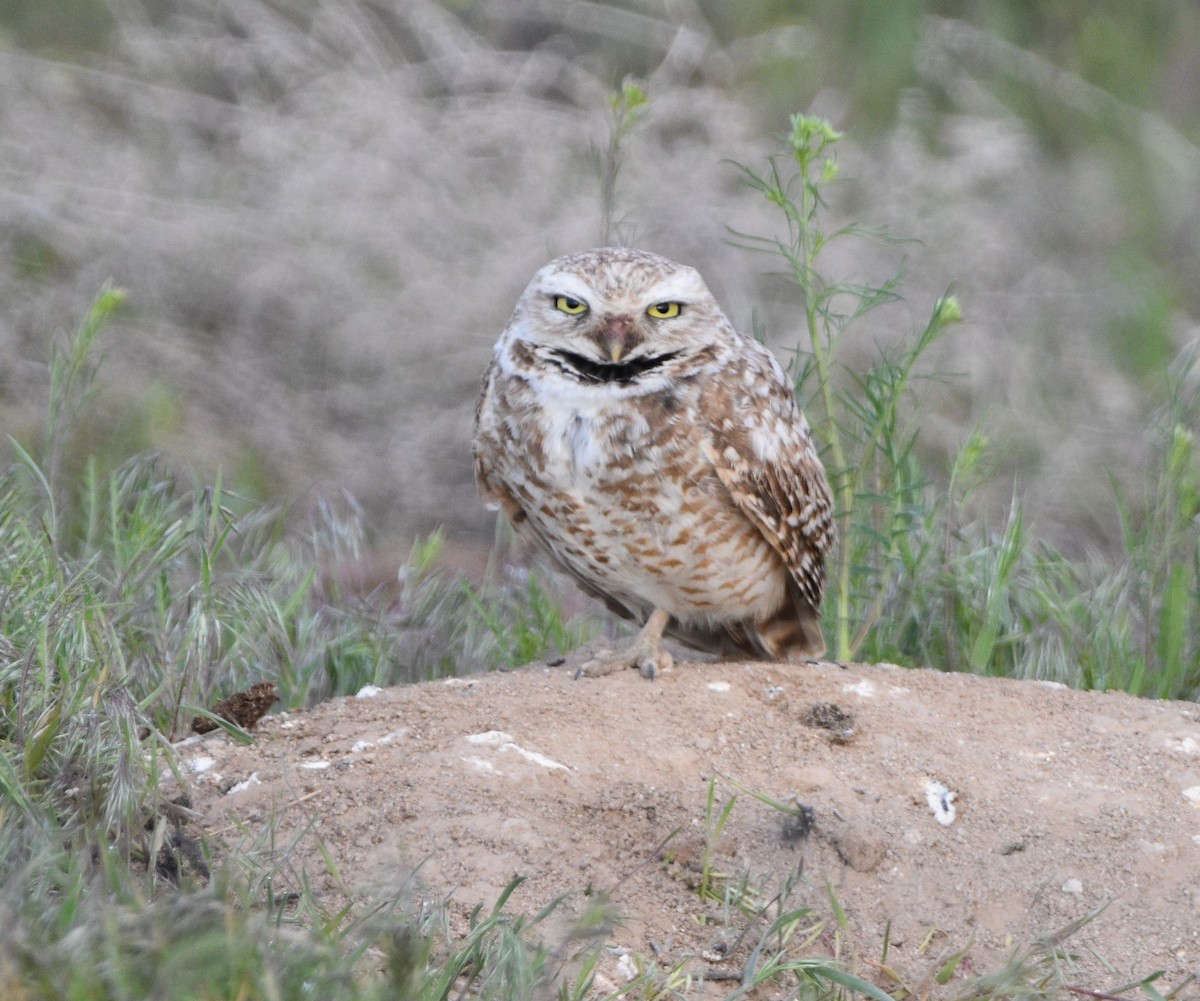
[
  {"x": 599, "y": 667},
  {"x": 650, "y": 663},
  {"x": 644, "y": 654}
]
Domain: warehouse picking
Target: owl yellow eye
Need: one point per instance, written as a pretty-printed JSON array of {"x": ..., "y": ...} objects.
[
  {"x": 570, "y": 306},
  {"x": 663, "y": 310}
]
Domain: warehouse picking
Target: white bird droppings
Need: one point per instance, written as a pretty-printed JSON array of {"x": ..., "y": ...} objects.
[
  {"x": 493, "y": 737},
  {"x": 941, "y": 802},
  {"x": 480, "y": 764},
  {"x": 253, "y": 780},
  {"x": 504, "y": 742},
  {"x": 627, "y": 967},
  {"x": 863, "y": 688}
]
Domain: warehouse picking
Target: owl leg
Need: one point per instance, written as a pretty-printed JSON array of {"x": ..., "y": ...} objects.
[{"x": 645, "y": 652}]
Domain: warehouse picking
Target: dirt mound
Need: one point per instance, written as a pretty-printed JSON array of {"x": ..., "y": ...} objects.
[{"x": 944, "y": 808}]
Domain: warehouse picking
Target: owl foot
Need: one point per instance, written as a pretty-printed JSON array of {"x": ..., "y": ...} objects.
[
  {"x": 648, "y": 662},
  {"x": 645, "y": 653}
]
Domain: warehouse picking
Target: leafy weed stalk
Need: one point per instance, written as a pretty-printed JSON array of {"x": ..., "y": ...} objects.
[{"x": 859, "y": 416}]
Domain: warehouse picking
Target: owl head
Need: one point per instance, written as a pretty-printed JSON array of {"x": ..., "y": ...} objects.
[{"x": 614, "y": 315}]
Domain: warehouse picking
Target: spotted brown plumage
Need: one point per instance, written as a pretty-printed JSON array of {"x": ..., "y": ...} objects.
[{"x": 659, "y": 457}]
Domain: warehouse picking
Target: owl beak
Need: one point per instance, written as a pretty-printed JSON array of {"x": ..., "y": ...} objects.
[{"x": 617, "y": 337}]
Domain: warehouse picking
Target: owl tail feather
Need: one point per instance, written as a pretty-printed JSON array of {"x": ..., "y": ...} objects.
[{"x": 794, "y": 633}]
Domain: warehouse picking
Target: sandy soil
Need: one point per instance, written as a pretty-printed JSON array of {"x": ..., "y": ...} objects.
[{"x": 1055, "y": 803}]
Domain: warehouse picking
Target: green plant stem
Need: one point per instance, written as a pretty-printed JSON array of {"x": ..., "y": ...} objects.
[{"x": 807, "y": 240}]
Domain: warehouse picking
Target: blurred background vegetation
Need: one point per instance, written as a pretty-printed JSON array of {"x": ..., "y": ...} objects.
[{"x": 323, "y": 212}]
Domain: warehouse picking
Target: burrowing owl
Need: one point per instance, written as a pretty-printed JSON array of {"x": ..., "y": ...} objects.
[{"x": 659, "y": 457}]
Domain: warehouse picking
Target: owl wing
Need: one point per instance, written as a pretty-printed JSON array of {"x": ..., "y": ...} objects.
[
  {"x": 761, "y": 448},
  {"x": 484, "y": 443}
]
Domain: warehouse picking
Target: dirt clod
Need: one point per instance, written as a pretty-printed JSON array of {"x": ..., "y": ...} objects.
[{"x": 243, "y": 708}]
